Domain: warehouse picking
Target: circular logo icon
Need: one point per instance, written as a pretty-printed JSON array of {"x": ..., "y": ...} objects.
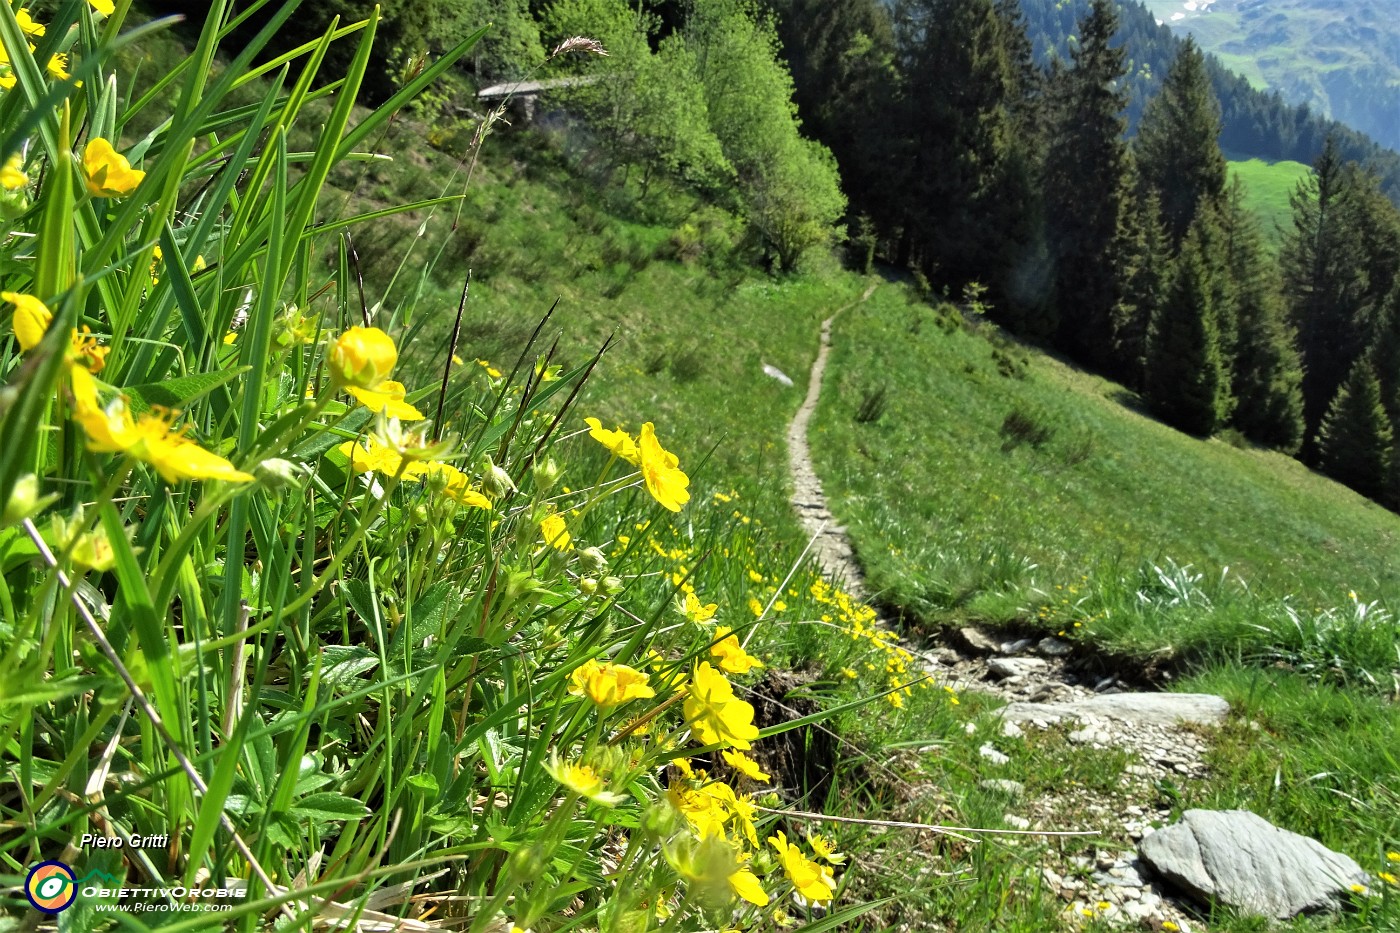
[{"x": 50, "y": 887}]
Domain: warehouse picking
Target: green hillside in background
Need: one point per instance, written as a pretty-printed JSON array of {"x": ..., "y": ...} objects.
[
  {"x": 1267, "y": 188},
  {"x": 1336, "y": 56}
]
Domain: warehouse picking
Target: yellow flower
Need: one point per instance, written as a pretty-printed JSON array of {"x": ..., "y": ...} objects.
[
  {"x": 584, "y": 781},
  {"x": 376, "y": 457},
  {"x": 455, "y": 484},
  {"x": 58, "y": 70},
  {"x": 105, "y": 7},
  {"x": 746, "y": 766},
  {"x": 387, "y": 397},
  {"x": 608, "y": 684},
  {"x": 705, "y": 813},
  {"x": 849, "y": 674},
  {"x": 362, "y": 357},
  {"x": 824, "y": 850},
  {"x": 31, "y": 319},
  {"x": 810, "y": 879},
  {"x": 556, "y": 533},
  {"x": 1388, "y": 878},
  {"x": 12, "y": 176},
  {"x": 619, "y": 442},
  {"x": 152, "y": 438},
  {"x": 661, "y": 471},
  {"x": 84, "y": 349},
  {"x": 27, "y": 23},
  {"x": 745, "y": 884},
  {"x": 108, "y": 173},
  {"x": 733, "y": 658},
  {"x": 698, "y": 612},
  {"x": 1393, "y": 857},
  {"x": 1170, "y": 927},
  {"x": 715, "y": 715},
  {"x": 491, "y": 371}
]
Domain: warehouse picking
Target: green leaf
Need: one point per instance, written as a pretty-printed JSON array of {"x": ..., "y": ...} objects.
[
  {"x": 329, "y": 806},
  {"x": 178, "y": 393},
  {"x": 425, "y": 784},
  {"x": 344, "y": 663}
]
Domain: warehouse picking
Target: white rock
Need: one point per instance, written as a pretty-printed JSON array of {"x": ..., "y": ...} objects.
[
  {"x": 1015, "y": 667},
  {"x": 1162, "y": 709},
  {"x": 988, "y": 752}
]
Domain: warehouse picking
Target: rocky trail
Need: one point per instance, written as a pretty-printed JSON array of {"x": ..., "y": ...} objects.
[{"x": 1051, "y": 687}]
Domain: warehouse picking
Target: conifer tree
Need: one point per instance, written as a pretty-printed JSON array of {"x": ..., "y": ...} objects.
[
  {"x": 1141, "y": 253},
  {"x": 841, "y": 54},
  {"x": 1325, "y": 283},
  {"x": 1178, "y": 142},
  {"x": 1385, "y": 356},
  {"x": 956, "y": 123},
  {"x": 1084, "y": 190},
  {"x": 1187, "y": 380},
  {"x": 1268, "y": 375},
  {"x": 1355, "y": 442}
]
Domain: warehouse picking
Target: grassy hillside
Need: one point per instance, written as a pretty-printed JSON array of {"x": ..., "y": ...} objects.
[
  {"x": 1267, "y": 186},
  {"x": 690, "y": 326},
  {"x": 999, "y": 482}
]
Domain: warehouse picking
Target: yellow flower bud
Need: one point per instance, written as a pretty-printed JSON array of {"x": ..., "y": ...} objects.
[
  {"x": 25, "y": 501},
  {"x": 31, "y": 321},
  {"x": 363, "y": 357}
]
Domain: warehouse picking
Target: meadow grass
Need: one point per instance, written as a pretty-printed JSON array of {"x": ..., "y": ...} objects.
[
  {"x": 1267, "y": 187},
  {"x": 999, "y": 482}
]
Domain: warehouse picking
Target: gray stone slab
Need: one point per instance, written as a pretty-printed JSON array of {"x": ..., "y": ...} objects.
[
  {"x": 1163, "y": 709},
  {"x": 1238, "y": 858}
]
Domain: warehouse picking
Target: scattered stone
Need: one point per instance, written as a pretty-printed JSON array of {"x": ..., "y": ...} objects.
[
  {"x": 1089, "y": 737},
  {"x": 1053, "y": 647},
  {"x": 1046, "y": 691},
  {"x": 1122, "y": 876},
  {"x": 1016, "y": 822},
  {"x": 977, "y": 641},
  {"x": 1010, "y": 730},
  {"x": 1163, "y": 709},
  {"x": 992, "y": 755},
  {"x": 1015, "y": 667},
  {"x": 1003, "y": 786},
  {"x": 1015, "y": 647},
  {"x": 1241, "y": 859}
]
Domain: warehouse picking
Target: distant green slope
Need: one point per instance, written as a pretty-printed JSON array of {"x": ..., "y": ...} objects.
[
  {"x": 1267, "y": 186},
  {"x": 1337, "y": 56}
]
